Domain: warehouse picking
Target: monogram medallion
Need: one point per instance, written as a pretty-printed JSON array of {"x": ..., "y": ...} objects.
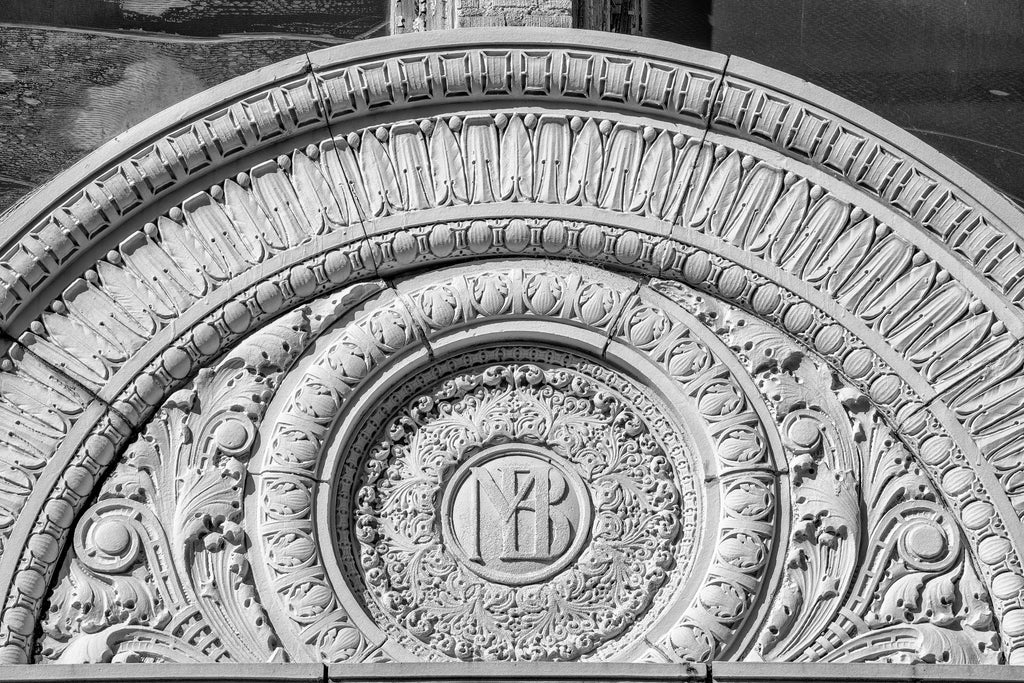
[
  {"x": 516, "y": 514},
  {"x": 522, "y": 510}
]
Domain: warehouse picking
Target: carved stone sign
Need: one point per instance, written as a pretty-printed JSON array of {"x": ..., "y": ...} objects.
[
  {"x": 534, "y": 346},
  {"x": 516, "y": 514}
]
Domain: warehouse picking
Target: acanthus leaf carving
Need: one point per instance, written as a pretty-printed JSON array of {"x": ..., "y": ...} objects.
[
  {"x": 760, "y": 191},
  {"x": 516, "y": 167},
  {"x": 132, "y": 644},
  {"x": 826, "y": 220},
  {"x": 144, "y": 253},
  {"x": 781, "y": 229},
  {"x": 241, "y": 238},
  {"x": 412, "y": 165},
  {"x": 448, "y": 170},
  {"x": 623, "y": 154},
  {"x": 585, "y": 163},
  {"x": 715, "y": 201},
  {"x": 914, "y": 594},
  {"x": 188, "y": 468},
  {"x": 323, "y": 210},
  {"x": 254, "y": 227},
  {"x": 654, "y": 177},
  {"x": 553, "y": 142},
  {"x": 481, "y": 158},
  {"x": 210, "y": 227},
  {"x": 279, "y": 201},
  {"x": 119, "y": 333},
  {"x": 893, "y": 286},
  {"x": 147, "y": 310}
]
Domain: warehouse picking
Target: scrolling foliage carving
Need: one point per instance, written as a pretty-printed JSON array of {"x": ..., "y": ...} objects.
[
  {"x": 160, "y": 568},
  {"x": 874, "y": 565},
  {"x": 587, "y": 433},
  {"x": 914, "y": 594}
]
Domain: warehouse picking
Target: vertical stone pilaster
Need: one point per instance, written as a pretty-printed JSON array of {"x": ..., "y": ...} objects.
[
  {"x": 556, "y": 13},
  {"x": 420, "y": 15},
  {"x": 616, "y": 16}
]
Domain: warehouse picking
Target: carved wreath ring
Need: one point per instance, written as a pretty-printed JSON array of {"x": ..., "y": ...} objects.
[
  {"x": 630, "y": 483},
  {"x": 326, "y": 415}
]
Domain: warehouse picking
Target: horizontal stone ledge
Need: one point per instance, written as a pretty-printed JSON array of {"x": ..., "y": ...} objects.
[
  {"x": 158, "y": 673},
  {"x": 738, "y": 672},
  {"x": 534, "y": 672},
  {"x": 779, "y": 672}
]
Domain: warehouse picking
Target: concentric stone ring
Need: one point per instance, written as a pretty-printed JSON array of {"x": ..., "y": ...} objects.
[
  {"x": 559, "y": 514},
  {"x": 218, "y": 332},
  {"x": 516, "y": 500}
]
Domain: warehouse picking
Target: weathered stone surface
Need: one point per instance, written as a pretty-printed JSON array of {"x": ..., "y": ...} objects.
[
  {"x": 520, "y": 348},
  {"x": 739, "y": 672},
  {"x": 477, "y": 13},
  {"x": 77, "y": 72},
  {"x": 199, "y": 673},
  {"x": 63, "y": 93}
]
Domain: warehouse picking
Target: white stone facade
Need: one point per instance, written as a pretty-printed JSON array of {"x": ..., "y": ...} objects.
[{"x": 521, "y": 347}]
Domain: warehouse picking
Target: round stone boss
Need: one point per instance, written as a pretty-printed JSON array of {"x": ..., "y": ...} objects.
[
  {"x": 485, "y": 502},
  {"x": 410, "y": 423}
]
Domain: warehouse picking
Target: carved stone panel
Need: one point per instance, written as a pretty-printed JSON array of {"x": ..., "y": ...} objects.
[
  {"x": 515, "y": 354},
  {"x": 521, "y": 463}
]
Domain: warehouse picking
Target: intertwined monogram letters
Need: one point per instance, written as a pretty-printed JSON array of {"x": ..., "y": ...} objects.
[{"x": 512, "y": 498}]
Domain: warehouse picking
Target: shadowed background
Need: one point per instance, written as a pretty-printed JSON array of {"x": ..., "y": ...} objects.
[{"x": 74, "y": 73}]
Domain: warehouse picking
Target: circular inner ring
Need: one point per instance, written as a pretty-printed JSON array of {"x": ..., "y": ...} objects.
[{"x": 517, "y": 502}]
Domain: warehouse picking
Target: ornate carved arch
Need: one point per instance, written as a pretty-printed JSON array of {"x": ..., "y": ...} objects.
[{"x": 752, "y": 353}]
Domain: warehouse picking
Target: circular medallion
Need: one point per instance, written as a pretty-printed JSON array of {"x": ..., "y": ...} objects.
[
  {"x": 520, "y": 510},
  {"x": 516, "y": 514},
  {"x": 501, "y": 498}
]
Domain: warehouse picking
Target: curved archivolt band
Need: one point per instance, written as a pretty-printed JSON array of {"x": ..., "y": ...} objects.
[{"x": 150, "y": 259}]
